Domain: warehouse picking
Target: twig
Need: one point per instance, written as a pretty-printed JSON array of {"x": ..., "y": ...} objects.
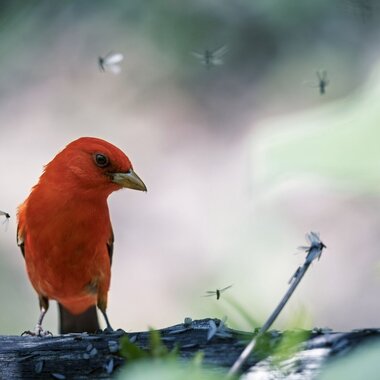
[{"x": 313, "y": 251}]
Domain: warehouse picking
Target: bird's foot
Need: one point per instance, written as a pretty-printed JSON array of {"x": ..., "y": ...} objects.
[
  {"x": 38, "y": 331},
  {"x": 108, "y": 330}
]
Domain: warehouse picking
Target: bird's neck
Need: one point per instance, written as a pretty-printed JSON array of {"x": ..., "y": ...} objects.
[{"x": 55, "y": 199}]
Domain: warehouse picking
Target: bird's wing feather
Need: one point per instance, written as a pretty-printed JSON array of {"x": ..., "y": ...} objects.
[
  {"x": 110, "y": 246},
  {"x": 20, "y": 229},
  {"x": 20, "y": 243}
]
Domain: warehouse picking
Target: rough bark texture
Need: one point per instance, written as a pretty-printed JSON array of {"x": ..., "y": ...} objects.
[{"x": 82, "y": 356}]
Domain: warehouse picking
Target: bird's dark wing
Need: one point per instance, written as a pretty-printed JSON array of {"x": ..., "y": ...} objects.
[
  {"x": 110, "y": 245},
  {"x": 20, "y": 241}
]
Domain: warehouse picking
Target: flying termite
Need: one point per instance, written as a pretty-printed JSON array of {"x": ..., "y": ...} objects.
[
  {"x": 110, "y": 62},
  {"x": 210, "y": 58},
  {"x": 322, "y": 81},
  {"x": 7, "y": 217},
  {"x": 217, "y": 292},
  {"x": 314, "y": 250}
]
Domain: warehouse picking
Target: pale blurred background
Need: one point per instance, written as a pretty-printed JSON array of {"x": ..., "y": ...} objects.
[{"x": 240, "y": 160}]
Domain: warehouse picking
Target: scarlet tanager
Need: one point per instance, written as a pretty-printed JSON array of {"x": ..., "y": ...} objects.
[{"x": 65, "y": 233}]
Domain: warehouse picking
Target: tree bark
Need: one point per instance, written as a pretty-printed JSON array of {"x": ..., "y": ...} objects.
[{"x": 95, "y": 356}]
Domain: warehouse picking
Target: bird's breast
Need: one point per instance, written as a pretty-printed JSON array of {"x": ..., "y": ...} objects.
[{"x": 66, "y": 248}]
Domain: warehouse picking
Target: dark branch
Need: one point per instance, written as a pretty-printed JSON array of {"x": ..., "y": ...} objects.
[{"x": 96, "y": 356}]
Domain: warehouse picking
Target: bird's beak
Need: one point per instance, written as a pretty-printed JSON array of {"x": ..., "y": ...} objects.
[{"x": 129, "y": 179}]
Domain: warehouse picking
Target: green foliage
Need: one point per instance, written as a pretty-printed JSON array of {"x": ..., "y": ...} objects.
[
  {"x": 289, "y": 345},
  {"x": 293, "y": 336},
  {"x": 299, "y": 318},
  {"x": 131, "y": 351},
  {"x": 242, "y": 312},
  {"x": 157, "y": 349},
  {"x": 363, "y": 363},
  {"x": 345, "y": 129},
  {"x": 159, "y": 362},
  {"x": 168, "y": 370}
]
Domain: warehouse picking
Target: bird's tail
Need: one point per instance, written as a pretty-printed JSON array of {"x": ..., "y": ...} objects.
[{"x": 85, "y": 322}]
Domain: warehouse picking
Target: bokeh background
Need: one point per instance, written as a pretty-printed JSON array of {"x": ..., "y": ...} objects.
[{"x": 240, "y": 160}]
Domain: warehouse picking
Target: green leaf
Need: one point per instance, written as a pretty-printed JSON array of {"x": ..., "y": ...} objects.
[
  {"x": 167, "y": 370},
  {"x": 363, "y": 363},
  {"x": 289, "y": 344},
  {"x": 130, "y": 350},
  {"x": 338, "y": 144}
]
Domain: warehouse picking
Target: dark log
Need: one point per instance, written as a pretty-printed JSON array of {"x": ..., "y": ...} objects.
[{"x": 82, "y": 356}]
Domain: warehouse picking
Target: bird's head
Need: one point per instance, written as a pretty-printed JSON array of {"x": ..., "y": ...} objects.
[{"x": 90, "y": 163}]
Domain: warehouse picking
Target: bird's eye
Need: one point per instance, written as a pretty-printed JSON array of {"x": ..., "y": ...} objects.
[{"x": 101, "y": 160}]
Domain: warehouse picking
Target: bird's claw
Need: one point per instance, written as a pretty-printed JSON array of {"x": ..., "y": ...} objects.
[
  {"x": 108, "y": 330},
  {"x": 38, "y": 331}
]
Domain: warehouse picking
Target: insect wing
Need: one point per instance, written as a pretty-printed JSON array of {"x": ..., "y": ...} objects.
[
  {"x": 112, "y": 58},
  {"x": 5, "y": 214},
  {"x": 110, "y": 62},
  {"x": 210, "y": 293},
  {"x": 115, "y": 69},
  {"x": 6, "y": 221},
  {"x": 319, "y": 75},
  {"x": 211, "y": 330},
  {"x": 315, "y": 252},
  {"x": 224, "y": 289},
  {"x": 217, "y": 61},
  {"x": 322, "y": 76},
  {"x": 197, "y": 55},
  {"x": 220, "y": 52},
  {"x": 314, "y": 238},
  {"x": 316, "y": 248},
  {"x": 217, "y": 292},
  {"x": 202, "y": 58}
]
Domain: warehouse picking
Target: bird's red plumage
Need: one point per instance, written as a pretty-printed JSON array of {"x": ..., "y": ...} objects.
[{"x": 64, "y": 225}]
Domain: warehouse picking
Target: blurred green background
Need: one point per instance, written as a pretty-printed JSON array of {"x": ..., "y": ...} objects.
[{"x": 240, "y": 160}]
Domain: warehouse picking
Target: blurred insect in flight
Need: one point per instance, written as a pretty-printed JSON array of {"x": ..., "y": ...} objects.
[
  {"x": 217, "y": 292},
  {"x": 111, "y": 62},
  {"x": 322, "y": 81},
  {"x": 211, "y": 58},
  {"x": 7, "y": 217}
]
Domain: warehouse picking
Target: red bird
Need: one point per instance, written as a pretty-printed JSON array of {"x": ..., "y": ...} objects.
[{"x": 65, "y": 233}]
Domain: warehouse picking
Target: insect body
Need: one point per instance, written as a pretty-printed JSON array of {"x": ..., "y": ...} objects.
[
  {"x": 322, "y": 81},
  {"x": 217, "y": 292},
  {"x": 7, "y": 216}
]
